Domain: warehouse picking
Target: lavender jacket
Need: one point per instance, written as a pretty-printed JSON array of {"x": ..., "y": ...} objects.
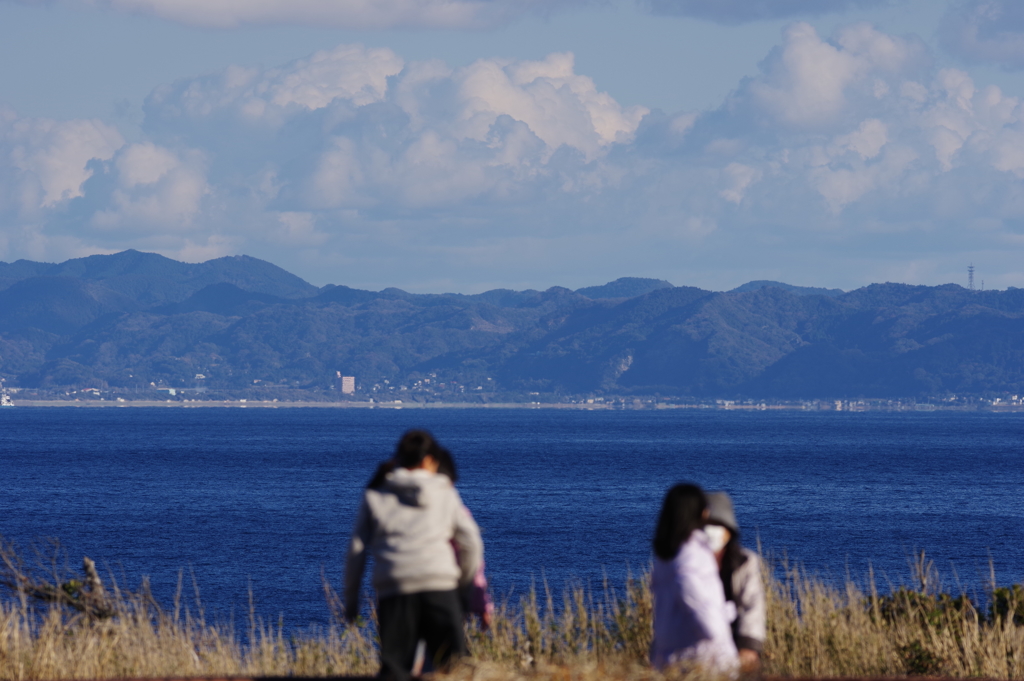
[{"x": 691, "y": 616}]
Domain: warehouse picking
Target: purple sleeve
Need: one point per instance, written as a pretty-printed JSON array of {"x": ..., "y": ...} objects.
[{"x": 478, "y": 600}]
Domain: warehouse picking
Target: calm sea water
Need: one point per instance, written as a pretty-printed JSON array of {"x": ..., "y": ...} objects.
[{"x": 267, "y": 497}]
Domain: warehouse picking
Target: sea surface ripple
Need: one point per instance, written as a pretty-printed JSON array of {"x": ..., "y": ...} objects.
[{"x": 266, "y": 498}]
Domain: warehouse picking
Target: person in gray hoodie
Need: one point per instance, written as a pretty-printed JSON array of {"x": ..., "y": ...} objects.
[
  {"x": 740, "y": 569},
  {"x": 407, "y": 524}
]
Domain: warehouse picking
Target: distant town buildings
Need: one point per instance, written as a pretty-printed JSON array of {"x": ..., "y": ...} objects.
[{"x": 345, "y": 384}]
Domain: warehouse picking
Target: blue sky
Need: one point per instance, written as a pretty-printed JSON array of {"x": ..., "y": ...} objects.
[{"x": 463, "y": 145}]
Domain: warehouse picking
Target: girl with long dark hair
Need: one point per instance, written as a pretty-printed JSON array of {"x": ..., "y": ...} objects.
[{"x": 691, "y": 617}]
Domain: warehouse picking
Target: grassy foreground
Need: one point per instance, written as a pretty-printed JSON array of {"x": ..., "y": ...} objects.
[{"x": 814, "y": 629}]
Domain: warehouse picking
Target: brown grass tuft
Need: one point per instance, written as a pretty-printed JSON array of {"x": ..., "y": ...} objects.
[{"x": 814, "y": 630}]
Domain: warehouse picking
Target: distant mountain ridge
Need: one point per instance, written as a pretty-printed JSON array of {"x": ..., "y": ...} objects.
[
  {"x": 134, "y": 319},
  {"x": 798, "y": 290},
  {"x": 624, "y": 287},
  {"x": 152, "y": 279}
]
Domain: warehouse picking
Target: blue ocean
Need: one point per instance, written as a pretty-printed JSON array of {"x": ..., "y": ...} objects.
[{"x": 264, "y": 499}]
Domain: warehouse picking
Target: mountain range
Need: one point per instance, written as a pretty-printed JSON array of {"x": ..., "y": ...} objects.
[{"x": 136, "y": 320}]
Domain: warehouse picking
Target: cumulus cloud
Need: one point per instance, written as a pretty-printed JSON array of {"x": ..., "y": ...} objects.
[
  {"x": 559, "y": 106},
  {"x": 986, "y": 31},
  {"x": 809, "y": 81},
  {"x": 47, "y": 158},
  {"x": 153, "y": 188},
  {"x": 331, "y": 13},
  {"x": 368, "y": 132},
  {"x": 351, "y": 73},
  {"x": 863, "y": 116},
  {"x": 355, "y": 166},
  {"x": 349, "y": 136},
  {"x": 737, "y": 178},
  {"x": 44, "y": 164},
  {"x": 743, "y": 11}
]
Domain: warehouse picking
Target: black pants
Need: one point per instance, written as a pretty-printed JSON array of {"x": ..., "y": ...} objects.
[{"x": 434, "y": 616}]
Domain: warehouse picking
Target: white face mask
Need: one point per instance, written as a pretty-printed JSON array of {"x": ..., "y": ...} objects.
[{"x": 718, "y": 535}]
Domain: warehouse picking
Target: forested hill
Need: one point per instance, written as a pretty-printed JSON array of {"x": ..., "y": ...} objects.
[{"x": 134, "y": 319}]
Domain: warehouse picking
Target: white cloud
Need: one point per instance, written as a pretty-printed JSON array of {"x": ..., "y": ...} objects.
[
  {"x": 866, "y": 141},
  {"x": 51, "y": 157},
  {"x": 144, "y": 164},
  {"x": 364, "y": 14},
  {"x": 154, "y": 189},
  {"x": 809, "y": 81},
  {"x": 349, "y": 71},
  {"x": 299, "y": 229},
  {"x": 338, "y": 178},
  {"x": 840, "y": 150},
  {"x": 863, "y": 122},
  {"x": 986, "y": 31},
  {"x": 559, "y": 106},
  {"x": 738, "y": 178},
  {"x": 368, "y": 132},
  {"x": 841, "y": 184},
  {"x": 351, "y": 74}
]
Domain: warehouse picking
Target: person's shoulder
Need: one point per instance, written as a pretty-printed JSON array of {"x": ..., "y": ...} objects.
[
  {"x": 698, "y": 541},
  {"x": 437, "y": 481},
  {"x": 696, "y": 550},
  {"x": 437, "y": 489},
  {"x": 750, "y": 567}
]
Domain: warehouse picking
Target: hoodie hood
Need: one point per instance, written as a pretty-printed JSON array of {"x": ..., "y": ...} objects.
[{"x": 416, "y": 487}]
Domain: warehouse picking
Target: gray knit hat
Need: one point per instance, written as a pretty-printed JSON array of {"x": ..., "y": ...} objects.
[{"x": 720, "y": 511}]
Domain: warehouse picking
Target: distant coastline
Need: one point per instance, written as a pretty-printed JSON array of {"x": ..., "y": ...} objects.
[
  {"x": 722, "y": 405},
  {"x": 141, "y": 326},
  {"x": 261, "y": 404}
]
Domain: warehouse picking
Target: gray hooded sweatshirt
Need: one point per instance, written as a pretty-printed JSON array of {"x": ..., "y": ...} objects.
[{"x": 407, "y": 525}]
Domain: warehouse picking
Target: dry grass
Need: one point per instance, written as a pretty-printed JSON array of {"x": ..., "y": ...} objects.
[
  {"x": 814, "y": 630},
  {"x": 817, "y": 630},
  {"x": 143, "y": 641}
]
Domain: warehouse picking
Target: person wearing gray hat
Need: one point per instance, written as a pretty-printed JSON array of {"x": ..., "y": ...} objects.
[{"x": 741, "y": 577}]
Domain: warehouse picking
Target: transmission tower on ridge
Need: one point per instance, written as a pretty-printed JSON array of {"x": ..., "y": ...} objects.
[{"x": 970, "y": 277}]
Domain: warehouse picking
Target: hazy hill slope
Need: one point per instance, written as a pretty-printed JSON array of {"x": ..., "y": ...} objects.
[
  {"x": 624, "y": 287},
  {"x": 135, "y": 318},
  {"x": 728, "y": 339},
  {"x": 593, "y": 345},
  {"x": 223, "y": 299},
  {"x": 386, "y": 336},
  {"x": 57, "y": 304},
  {"x": 252, "y": 274},
  {"x": 151, "y": 279},
  {"x": 899, "y": 340},
  {"x": 799, "y": 290},
  {"x": 674, "y": 341},
  {"x": 885, "y": 340},
  {"x": 13, "y": 272}
]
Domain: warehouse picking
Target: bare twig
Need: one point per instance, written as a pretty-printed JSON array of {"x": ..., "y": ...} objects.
[
  {"x": 334, "y": 603},
  {"x": 85, "y": 595}
]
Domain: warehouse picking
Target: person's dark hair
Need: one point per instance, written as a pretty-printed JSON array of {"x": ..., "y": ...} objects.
[
  {"x": 413, "y": 446},
  {"x": 732, "y": 559},
  {"x": 381, "y": 473},
  {"x": 446, "y": 464},
  {"x": 682, "y": 512}
]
